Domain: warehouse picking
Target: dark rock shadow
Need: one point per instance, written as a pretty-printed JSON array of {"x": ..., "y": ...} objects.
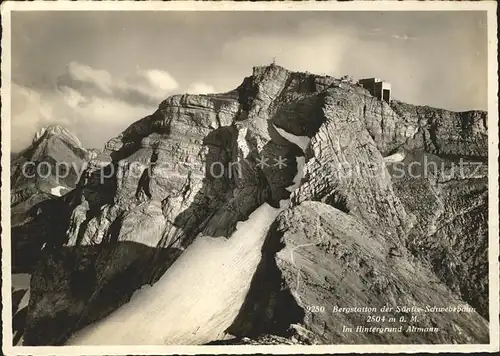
[
  {"x": 230, "y": 197},
  {"x": 269, "y": 307},
  {"x": 86, "y": 286},
  {"x": 47, "y": 225}
]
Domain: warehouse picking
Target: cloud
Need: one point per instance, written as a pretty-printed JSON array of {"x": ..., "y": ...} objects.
[
  {"x": 403, "y": 37},
  {"x": 373, "y": 32},
  {"x": 90, "y": 102},
  {"x": 200, "y": 88},
  {"x": 94, "y": 78},
  {"x": 144, "y": 87},
  {"x": 72, "y": 97},
  {"x": 313, "y": 50},
  {"x": 30, "y": 111},
  {"x": 94, "y": 120}
]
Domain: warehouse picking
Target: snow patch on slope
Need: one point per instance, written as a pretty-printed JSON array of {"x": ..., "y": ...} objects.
[
  {"x": 301, "y": 162},
  {"x": 396, "y": 157},
  {"x": 57, "y": 190},
  {"x": 197, "y": 299},
  {"x": 301, "y": 141}
]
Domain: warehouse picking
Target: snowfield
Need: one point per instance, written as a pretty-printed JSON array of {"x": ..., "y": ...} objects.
[{"x": 197, "y": 299}]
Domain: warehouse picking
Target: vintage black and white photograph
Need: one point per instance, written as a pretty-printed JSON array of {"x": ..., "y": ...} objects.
[{"x": 240, "y": 178}]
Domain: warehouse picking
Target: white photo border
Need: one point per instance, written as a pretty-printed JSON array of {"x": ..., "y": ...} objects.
[{"x": 488, "y": 6}]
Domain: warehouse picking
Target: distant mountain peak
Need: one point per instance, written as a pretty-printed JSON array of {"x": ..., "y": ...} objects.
[{"x": 58, "y": 131}]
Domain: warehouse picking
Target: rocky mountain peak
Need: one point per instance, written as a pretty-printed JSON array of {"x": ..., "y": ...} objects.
[
  {"x": 50, "y": 167},
  {"x": 57, "y": 131}
]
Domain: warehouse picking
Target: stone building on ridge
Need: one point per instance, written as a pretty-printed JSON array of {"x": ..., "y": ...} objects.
[{"x": 377, "y": 87}]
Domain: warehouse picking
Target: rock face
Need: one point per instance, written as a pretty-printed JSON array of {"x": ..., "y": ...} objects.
[
  {"x": 328, "y": 260},
  {"x": 40, "y": 174},
  {"x": 53, "y": 160},
  {"x": 351, "y": 232},
  {"x": 49, "y": 168}
]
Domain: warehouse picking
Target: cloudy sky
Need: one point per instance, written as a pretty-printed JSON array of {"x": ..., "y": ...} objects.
[{"x": 97, "y": 72}]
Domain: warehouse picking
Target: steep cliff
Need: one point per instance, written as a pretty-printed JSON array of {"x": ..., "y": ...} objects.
[
  {"x": 48, "y": 169},
  {"x": 40, "y": 175},
  {"x": 333, "y": 166}
]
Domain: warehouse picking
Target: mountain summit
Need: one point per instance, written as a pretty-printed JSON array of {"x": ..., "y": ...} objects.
[
  {"x": 50, "y": 165},
  {"x": 59, "y": 132},
  {"x": 265, "y": 213}
]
